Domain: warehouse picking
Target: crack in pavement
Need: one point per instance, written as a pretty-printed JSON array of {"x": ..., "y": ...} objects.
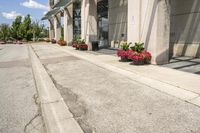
[
  {"x": 39, "y": 127},
  {"x": 75, "y": 105},
  {"x": 38, "y": 115}
]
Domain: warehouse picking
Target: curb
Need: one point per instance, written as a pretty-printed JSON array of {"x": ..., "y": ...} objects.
[
  {"x": 56, "y": 115},
  {"x": 163, "y": 87}
]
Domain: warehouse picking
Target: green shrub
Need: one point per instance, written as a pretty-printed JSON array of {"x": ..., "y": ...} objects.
[
  {"x": 125, "y": 46},
  {"x": 138, "y": 47}
]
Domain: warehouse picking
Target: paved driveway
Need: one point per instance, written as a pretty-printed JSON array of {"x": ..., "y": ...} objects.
[
  {"x": 107, "y": 102},
  {"x": 18, "y": 110}
]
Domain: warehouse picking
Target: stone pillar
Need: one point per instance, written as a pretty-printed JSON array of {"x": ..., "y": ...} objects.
[
  {"x": 83, "y": 5},
  {"x": 89, "y": 21},
  {"x": 149, "y": 22},
  {"x": 163, "y": 32},
  {"x": 68, "y": 24},
  {"x": 133, "y": 20},
  {"x": 51, "y": 30},
  {"x": 57, "y": 27}
]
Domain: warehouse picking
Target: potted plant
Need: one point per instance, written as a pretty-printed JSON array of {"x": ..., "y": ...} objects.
[
  {"x": 82, "y": 45},
  {"x": 124, "y": 52},
  {"x": 74, "y": 42},
  {"x": 53, "y": 41},
  {"x": 61, "y": 42},
  {"x": 140, "y": 56},
  {"x": 47, "y": 40}
]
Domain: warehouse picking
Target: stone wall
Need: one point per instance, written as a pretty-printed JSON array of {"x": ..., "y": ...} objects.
[
  {"x": 117, "y": 14},
  {"x": 185, "y": 28}
]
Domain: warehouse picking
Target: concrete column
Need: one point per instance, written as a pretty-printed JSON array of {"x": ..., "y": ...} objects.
[
  {"x": 57, "y": 27},
  {"x": 83, "y": 5},
  {"x": 51, "y": 30},
  {"x": 89, "y": 21},
  {"x": 163, "y": 32},
  {"x": 68, "y": 24},
  {"x": 149, "y": 22},
  {"x": 134, "y": 20}
]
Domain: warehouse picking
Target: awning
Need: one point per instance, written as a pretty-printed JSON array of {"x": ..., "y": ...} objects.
[
  {"x": 62, "y": 4},
  {"x": 51, "y": 13}
]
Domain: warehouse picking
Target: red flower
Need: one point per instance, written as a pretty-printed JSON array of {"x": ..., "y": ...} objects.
[
  {"x": 83, "y": 46},
  {"x": 141, "y": 57},
  {"x": 123, "y": 53}
]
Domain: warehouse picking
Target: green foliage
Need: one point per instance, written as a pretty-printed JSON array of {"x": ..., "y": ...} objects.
[
  {"x": 80, "y": 41},
  {"x": 38, "y": 30},
  {"x": 25, "y": 30},
  {"x": 15, "y": 28},
  {"x": 125, "y": 46},
  {"x": 76, "y": 37},
  {"x": 61, "y": 38},
  {"x": 4, "y": 32},
  {"x": 138, "y": 47}
]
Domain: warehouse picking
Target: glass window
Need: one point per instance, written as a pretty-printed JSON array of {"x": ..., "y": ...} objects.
[{"x": 77, "y": 19}]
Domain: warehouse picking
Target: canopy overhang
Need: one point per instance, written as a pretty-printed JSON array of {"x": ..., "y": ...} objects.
[
  {"x": 57, "y": 8},
  {"x": 51, "y": 13}
]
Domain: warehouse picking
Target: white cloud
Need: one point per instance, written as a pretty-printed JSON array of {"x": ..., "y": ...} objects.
[
  {"x": 34, "y": 5},
  {"x": 44, "y": 12},
  {"x": 11, "y": 15}
]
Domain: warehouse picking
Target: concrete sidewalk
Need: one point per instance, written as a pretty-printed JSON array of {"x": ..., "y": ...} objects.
[
  {"x": 107, "y": 99},
  {"x": 183, "y": 85}
]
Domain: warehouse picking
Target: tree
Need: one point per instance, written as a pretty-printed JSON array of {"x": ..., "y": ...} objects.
[
  {"x": 25, "y": 28},
  {"x": 15, "y": 29},
  {"x": 4, "y": 32},
  {"x": 38, "y": 30}
]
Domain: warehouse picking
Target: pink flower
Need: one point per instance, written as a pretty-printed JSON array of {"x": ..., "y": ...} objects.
[{"x": 140, "y": 57}]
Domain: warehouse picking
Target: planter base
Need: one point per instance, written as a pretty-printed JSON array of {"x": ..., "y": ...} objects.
[
  {"x": 125, "y": 60},
  {"x": 138, "y": 63}
]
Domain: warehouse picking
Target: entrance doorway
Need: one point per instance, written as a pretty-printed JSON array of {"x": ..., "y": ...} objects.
[{"x": 102, "y": 23}]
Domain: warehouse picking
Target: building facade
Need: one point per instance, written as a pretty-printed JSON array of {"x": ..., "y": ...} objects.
[{"x": 167, "y": 27}]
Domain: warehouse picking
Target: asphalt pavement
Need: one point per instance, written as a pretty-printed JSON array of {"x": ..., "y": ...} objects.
[
  {"x": 103, "y": 101},
  {"x": 19, "y": 106}
]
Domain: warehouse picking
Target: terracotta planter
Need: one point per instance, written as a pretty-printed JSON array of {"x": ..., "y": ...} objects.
[{"x": 62, "y": 43}]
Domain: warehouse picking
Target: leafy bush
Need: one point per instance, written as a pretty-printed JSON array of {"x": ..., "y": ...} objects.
[
  {"x": 143, "y": 57},
  {"x": 125, "y": 46},
  {"x": 138, "y": 47}
]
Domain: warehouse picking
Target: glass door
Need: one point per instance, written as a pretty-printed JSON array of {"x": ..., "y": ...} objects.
[{"x": 102, "y": 25}]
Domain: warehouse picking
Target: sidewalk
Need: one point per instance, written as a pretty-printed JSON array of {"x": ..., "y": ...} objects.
[
  {"x": 107, "y": 99},
  {"x": 180, "y": 84}
]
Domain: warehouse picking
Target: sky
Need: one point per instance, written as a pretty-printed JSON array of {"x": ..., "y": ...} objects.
[{"x": 9, "y": 9}]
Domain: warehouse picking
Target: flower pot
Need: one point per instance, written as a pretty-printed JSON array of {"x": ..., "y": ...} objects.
[
  {"x": 83, "y": 47},
  {"x": 138, "y": 62},
  {"x": 53, "y": 41},
  {"x": 62, "y": 43},
  {"x": 125, "y": 59}
]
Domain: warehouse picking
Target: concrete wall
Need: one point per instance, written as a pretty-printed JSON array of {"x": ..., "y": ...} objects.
[
  {"x": 185, "y": 28},
  {"x": 149, "y": 22},
  {"x": 117, "y": 14}
]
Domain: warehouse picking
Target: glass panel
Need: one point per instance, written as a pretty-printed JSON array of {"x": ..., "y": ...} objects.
[
  {"x": 102, "y": 13},
  {"x": 77, "y": 19}
]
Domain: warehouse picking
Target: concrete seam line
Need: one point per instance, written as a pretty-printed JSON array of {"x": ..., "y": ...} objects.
[
  {"x": 57, "y": 117},
  {"x": 171, "y": 90}
]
